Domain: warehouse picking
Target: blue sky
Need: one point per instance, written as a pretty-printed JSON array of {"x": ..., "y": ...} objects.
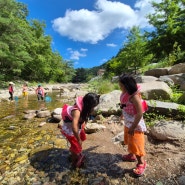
[{"x": 89, "y": 32}]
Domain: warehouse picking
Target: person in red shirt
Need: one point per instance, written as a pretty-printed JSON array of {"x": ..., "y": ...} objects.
[{"x": 11, "y": 90}]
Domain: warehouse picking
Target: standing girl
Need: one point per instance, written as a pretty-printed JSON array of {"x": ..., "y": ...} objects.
[
  {"x": 132, "y": 108},
  {"x": 25, "y": 90},
  {"x": 40, "y": 93},
  {"x": 11, "y": 90},
  {"x": 74, "y": 119}
]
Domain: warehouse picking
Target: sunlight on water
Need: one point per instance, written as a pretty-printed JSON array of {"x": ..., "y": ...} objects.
[{"x": 20, "y": 104}]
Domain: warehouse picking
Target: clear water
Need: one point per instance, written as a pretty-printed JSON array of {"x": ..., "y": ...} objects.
[{"x": 20, "y": 104}]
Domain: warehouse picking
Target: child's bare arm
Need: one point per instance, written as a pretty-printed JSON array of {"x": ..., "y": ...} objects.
[
  {"x": 75, "y": 126},
  {"x": 138, "y": 106}
]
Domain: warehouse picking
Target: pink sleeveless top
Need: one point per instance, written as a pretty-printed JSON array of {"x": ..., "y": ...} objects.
[
  {"x": 129, "y": 111},
  {"x": 128, "y": 106},
  {"x": 67, "y": 109},
  {"x": 67, "y": 115}
]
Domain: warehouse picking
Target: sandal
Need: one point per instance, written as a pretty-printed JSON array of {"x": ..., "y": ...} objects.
[
  {"x": 129, "y": 158},
  {"x": 80, "y": 161},
  {"x": 140, "y": 169}
]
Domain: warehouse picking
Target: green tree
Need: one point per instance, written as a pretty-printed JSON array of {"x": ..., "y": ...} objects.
[
  {"x": 168, "y": 21},
  {"x": 25, "y": 50},
  {"x": 12, "y": 38},
  {"x": 132, "y": 56},
  {"x": 80, "y": 75}
]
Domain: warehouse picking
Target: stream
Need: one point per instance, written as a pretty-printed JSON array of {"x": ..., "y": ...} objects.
[{"x": 21, "y": 141}]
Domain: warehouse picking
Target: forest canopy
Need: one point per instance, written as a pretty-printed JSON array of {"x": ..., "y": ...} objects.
[{"x": 25, "y": 50}]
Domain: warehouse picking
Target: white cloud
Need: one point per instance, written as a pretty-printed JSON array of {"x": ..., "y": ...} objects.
[
  {"x": 83, "y": 49},
  {"x": 103, "y": 61},
  {"x": 111, "y": 45},
  {"x": 92, "y": 26},
  {"x": 75, "y": 54}
]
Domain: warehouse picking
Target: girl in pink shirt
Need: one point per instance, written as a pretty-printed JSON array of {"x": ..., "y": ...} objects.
[
  {"x": 11, "y": 91},
  {"x": 74, "y": 119}
]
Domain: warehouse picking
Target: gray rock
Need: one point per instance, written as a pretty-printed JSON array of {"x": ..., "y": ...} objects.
[
  {"x": 168, "y": 130},
  {"x": 156, "y": 90},
  {"x": 163, "y": 108},
  {"x": 43, "y": 114},
  {"x": 108, "y": 103},
  {"x": 157, "y": 72},
  {"x": 145, "y": 79},
  {"x": 178, "y": 68},
  {"x": 29, "y": 116},
  {"x": 93, "y": 127}
]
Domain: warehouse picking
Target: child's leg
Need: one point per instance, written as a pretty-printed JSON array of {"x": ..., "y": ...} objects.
[
  {"x": 129, "y": 157},
  {"x": 140, "y": 167},
  {"x": 140, "y": 159},
  {"x": 136, "y": 147},
  {"x": 74, "y": 158},
  {"x": 76, "y": 151}
]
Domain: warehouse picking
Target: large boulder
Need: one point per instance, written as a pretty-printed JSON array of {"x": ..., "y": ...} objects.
[
  {"x": 165, "y": 108},
  {"x": 176, "y": 69},
  {"x": 167, "y": 80},
  {"x": 168, "y": 130},
  {"x": 182, "y": 86},
  {"x": 145, "y": 79},
  {"x": 178, "y": 79},
  {"x": 109, "y": 103},
  {"x": 157, "y": 72},
  {"x": 156, "y": 90}
]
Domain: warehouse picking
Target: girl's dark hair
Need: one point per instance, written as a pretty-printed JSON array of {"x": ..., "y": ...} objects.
[
  {"x": 129, "y": 83},
  {"x": 90, "y": 101}
]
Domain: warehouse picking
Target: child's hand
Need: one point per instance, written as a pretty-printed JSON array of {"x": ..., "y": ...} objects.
[{"x": 80, "y": 142}]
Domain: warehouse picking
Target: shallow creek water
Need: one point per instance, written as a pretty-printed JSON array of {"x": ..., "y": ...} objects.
[
  {"x": 21, "y": 138},
  {"x": 17, "y": 107}
]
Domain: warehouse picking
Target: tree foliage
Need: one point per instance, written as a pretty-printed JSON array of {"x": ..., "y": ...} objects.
[
  {"x": 168, "y": 21},
  {"x": 25, "y": 50},
  {"x": 165, "y": 43},
  {"x": 132, "y": 56}
]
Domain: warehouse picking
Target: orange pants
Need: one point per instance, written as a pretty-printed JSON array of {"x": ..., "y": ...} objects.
[{"x": 136, "y": 142}]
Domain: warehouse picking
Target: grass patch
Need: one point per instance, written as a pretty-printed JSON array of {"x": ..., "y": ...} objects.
[
  {"x": 151, "y": 118},
  {"x": 102, "y": 86}
]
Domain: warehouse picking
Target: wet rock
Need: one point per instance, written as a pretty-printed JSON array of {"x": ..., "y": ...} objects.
[
  {"x": 29, "y": 116},
  {"x": 43, "y": 114}
]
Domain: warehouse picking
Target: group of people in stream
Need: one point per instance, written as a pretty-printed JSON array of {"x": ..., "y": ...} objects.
[
  {"x": 76, "y": 116},
  {"x": 39, "y": 91},
  {"x": 133, "y": 106}
]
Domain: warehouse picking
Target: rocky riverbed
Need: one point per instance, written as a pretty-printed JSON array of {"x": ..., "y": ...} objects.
[
  {"x": 34, "y": 155},
  {"x": 39, "y": 156}
]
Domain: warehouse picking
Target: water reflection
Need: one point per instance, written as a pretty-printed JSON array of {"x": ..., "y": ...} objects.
[
  {"x": 20, "y": 138},
  {"x": 31, "y": 103}
]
